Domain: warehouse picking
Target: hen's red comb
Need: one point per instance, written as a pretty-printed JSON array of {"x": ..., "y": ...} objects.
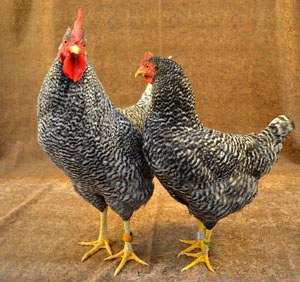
[
  {"x": 77, "y": 29},
  {"x": 147, "y": 55}
]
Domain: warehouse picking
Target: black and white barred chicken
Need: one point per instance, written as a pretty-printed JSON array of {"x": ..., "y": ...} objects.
[
  {"x": 92, "y": 142},
  {"x": 138, "y": 112},
  {"x": 213, "y": 173}
]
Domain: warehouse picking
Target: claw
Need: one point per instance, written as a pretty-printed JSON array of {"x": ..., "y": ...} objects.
[
  {"x": 88, "y": 243},
  {"x": 199, "y": 258},
  {"x": 195, "y": 244},
  {"x": 97, "y": 245},
  {"x": 194, "y": 255},
  {"x": 102, "y": 242},
  {"x": 200, "y": 243},
  {"x": 126, "y": 254}
]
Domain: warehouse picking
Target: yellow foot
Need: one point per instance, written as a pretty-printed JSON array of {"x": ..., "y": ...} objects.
[
  {"x": 97, "y": 245},
  {"x": 195, "y": 244},
  {"x": 200, "y": 257},
  {"x": 126, "y": 254}
]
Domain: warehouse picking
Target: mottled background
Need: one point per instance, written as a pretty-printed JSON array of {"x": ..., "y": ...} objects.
[{"x": 242, "y": 57}]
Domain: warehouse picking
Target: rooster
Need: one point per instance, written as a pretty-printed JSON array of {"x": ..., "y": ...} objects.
[
  {"x": 213, "y": 173},
  {"x": 92, "y": 142}
]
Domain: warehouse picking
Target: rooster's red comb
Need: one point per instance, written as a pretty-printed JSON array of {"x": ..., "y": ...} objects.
[{"x": 77, "y": 29}]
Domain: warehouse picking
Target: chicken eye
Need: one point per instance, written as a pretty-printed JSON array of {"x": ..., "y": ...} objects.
[{"x": 65, "y": 42}]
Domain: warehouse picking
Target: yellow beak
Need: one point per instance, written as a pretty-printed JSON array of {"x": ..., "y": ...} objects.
[
  {"x": 74, "y": 49},
  {"x": 138, "y": 73}
]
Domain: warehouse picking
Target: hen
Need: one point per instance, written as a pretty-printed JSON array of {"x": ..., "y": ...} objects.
[
  {"x": 213, "y": 173},
  {"x": 137, "y": 113},
  {"x": 91, "y": 141}
]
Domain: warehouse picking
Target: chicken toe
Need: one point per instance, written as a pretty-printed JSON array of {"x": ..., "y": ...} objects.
[
  {"x": 127, "y": 253},
  {"x": 197, "y": 243},
  {"x": 201, "y": 256},
  {"x": 102, "y": 242}
]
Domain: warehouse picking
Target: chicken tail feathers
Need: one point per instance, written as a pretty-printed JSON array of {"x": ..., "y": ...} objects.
[{"x": 280, "y": 127}]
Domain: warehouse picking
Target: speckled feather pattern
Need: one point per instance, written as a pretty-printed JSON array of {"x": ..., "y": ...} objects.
[
  {"x": 213, "y": 173},
  {"x": 138, "y": 113},
  {"x": 92, "y": 142}
]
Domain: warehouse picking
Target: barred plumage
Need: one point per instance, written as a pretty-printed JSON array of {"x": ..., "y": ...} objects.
[
  {"x": 93, "y": 142},
  {"x": 137, "y": 113},
  {"x": 213, "y": 173}
]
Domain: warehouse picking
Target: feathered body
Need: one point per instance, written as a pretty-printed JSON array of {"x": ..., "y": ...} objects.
[
  {"x": 138, "y": 112},
  {"x": 213, "y": 173},
  {"x": 92, "y": 142}
]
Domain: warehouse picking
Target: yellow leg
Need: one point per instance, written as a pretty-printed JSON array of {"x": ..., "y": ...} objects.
[
  {"x": 195, "y": 244},
  {"x": 127, "y": 253},
  {"x": 202, "y": 256},
  {"x": 102, "y": 242}
]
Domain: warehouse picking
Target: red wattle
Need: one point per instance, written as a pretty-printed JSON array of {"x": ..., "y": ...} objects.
[
  {"x": 148, "y": 78},
  {"x": 74, "y": 67}
]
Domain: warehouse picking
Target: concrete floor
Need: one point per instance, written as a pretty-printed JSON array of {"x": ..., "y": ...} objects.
[{"x": 42, "y": 219}]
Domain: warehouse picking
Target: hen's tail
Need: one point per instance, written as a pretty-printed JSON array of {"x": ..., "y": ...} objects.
[
  {"x": 280, "y": 127},
  {"x": 268, "y": 144}
]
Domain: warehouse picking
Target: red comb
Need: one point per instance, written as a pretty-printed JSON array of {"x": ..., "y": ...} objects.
[
  {"x": 77, "y": 30},
  {"x": 147, "y": 55}
]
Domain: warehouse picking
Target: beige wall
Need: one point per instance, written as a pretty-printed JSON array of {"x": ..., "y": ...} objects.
[{"x": 242, "y": 58}]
